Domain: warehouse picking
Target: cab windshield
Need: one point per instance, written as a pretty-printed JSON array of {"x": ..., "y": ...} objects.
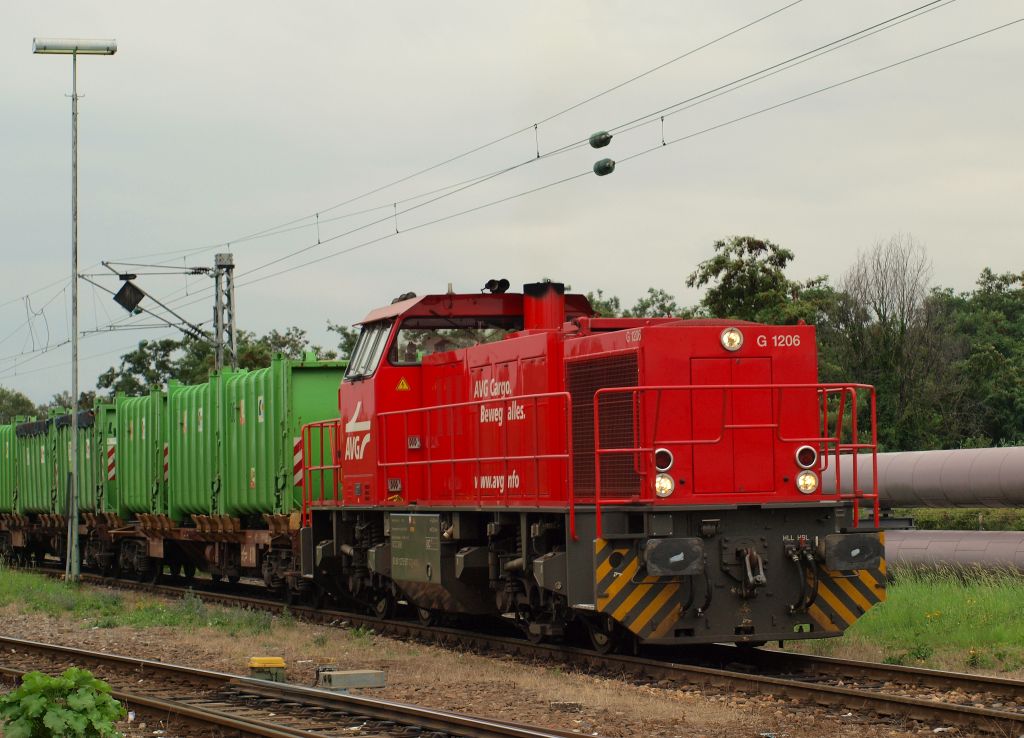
[
  {"x": 368, "y": 349},
  {"x": 421, "y": 336}
]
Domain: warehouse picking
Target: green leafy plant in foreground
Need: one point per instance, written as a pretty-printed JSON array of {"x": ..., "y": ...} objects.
[{"x": 73, "y": 704}]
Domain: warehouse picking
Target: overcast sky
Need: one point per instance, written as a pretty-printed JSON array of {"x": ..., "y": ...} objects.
[{"x": 217, "y": 120}]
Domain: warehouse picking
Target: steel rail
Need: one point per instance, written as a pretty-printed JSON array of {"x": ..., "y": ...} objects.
[
  {"x": 161, "y": 709},
  {"x": 737, "y": 674},
  {"x": 422, "y": 717}
]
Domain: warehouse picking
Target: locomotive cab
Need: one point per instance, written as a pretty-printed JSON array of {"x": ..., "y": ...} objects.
[{"x": 642, "y": 480}]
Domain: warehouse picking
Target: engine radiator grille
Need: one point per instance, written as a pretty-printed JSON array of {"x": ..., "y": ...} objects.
[{"x": 619, "y": 477}]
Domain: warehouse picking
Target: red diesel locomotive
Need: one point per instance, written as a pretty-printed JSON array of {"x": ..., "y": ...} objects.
[{"x": 649, "y": 480}]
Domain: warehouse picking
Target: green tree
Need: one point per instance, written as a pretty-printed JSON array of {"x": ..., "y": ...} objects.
[
  {"x": 746, "y": 279},
  {"x": 347, "y": 336},
  {"x": 14, "y": 403},
  {"x": 147, "y": 366},
  {"x": 990, "y": 321},
  {"x": 895, "y": 332},
  {"x": 62, "y": 400},
  {"x": 606, "y": 307},
  {"x": 657, "y": 303}
]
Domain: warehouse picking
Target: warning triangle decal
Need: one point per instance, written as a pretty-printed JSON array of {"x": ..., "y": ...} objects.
[{"x": 403, "y": 386}]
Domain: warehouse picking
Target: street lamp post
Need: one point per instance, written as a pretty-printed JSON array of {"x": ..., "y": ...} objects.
[{"x": 74, "y": 47}]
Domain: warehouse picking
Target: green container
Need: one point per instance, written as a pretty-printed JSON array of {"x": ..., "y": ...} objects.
[
  {"x": 104, "y": 445},
  {"x": 89, "y": 480},
  {"x": 262, "y": 414},
  {"x": 38, "y": 467},
  {"x": 8, "y": 472},
  {"x": 140, "y": 454},
  {"x": 102, "y": 440},
  {"x": 192, "y": 439}
]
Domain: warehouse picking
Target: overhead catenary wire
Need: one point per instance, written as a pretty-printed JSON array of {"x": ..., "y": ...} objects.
[
  {"x": 763, "y": 73},
  {"x": 644, "y": 152},
  {"x": 460, "y": 186},
  {"x": 660, "y": 146},
  {"x": 707, "y": 95},
  {"x": 495, "y": 141}
]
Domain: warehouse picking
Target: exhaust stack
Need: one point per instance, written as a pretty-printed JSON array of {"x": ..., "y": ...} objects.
[{"x": 543, "y": 305}]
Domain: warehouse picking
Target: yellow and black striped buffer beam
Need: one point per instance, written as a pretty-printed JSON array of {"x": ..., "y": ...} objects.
[
  {"x": 648, "y": 606},
  {"x": 843, "y": 596}
]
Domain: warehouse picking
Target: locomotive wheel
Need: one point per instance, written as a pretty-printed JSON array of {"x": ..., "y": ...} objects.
[
  {"x": 605, "y": 635},
  {"x": 384, "y": 606},
  {"x": 426, "y": 616},
  {"x": 534, "y": 637}
]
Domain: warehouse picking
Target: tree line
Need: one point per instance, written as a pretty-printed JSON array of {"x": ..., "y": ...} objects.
[{"x": 948, "y": 365}]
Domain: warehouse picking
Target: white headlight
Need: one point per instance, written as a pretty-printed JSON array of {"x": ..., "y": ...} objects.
[
  {"x": 664, "y": 485},
  {"x": 732, "y": 339},
  {"x": 807, "y": 482}
]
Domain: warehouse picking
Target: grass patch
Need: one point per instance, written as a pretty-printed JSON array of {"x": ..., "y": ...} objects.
[
  {"x": 99, "y": 609},
  {"x": 962, "y": 619},
  {"x": 967, "y": 518}
]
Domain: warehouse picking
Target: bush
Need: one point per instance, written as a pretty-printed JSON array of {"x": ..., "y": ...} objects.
[{"x": 73, "y": 704}]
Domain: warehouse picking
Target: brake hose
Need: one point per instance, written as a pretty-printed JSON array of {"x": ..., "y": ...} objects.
[{"x": 801, "y": 603}]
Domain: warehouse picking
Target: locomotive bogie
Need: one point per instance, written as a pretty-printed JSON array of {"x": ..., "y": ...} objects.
[{"x": 680, "y": 576}]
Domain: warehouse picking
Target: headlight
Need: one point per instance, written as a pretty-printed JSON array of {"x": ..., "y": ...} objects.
[
  {"x": 664, "y": 485},
  {"x": 807, "y": 482},
  {"x": 806, "y": 457},
  {"x": 732, "y": 339},
  {"x": 663, "y": 459}
]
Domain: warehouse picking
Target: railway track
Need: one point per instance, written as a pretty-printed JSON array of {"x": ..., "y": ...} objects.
[
  {"x": 213, "y": 703},
  {"x": 881, "y": 691}
]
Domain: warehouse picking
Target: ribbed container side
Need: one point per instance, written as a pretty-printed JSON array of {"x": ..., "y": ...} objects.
[
  {"x": 193, "y": 450},
  {"x": 36, "y": 473},
  {"x": 263, "y": 412},
  {"x": 89, "y": 481},
  {"x": 252, "y": 405},
  {"x": 140, "y": 453},
  {"x": 105, "y": 450},
  {"x": 8, "y": 472}
]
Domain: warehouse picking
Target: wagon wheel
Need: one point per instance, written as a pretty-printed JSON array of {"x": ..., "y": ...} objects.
[
  {"x": 174, "y": 569},
  {"x": 152, "y": 574},
  {"x": 190, "y": 571},
  {"x": 215, "y": 578},
  {"x": 233, "y": 578}
]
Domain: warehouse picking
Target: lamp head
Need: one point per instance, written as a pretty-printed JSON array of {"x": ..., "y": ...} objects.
[{"x": 94, "y": 46}]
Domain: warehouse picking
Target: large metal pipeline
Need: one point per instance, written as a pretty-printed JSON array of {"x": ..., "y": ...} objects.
[
  {"x": 977, "y": 477},
  {"x": 957, "y": 548}
]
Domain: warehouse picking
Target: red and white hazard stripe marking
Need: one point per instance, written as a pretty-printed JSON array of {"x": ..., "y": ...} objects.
[
  {"x": 167, "y": 461},
  {"x": 297, "y": 461},
  {"x": 111, "y": 459}
]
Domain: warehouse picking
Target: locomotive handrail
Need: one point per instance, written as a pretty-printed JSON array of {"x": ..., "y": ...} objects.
[
  {"x": 332, "y": 426},
  {"x": 832, "y": 444}
]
